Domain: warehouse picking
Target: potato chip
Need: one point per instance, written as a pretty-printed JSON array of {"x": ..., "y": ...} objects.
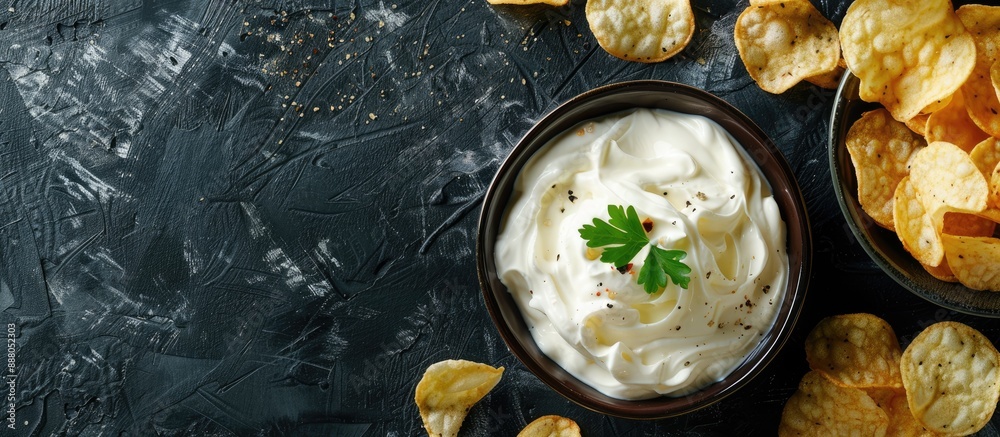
[
  {"x": 551, "y": 426},
  {"x": 995, "y": 77},
  {"x": 945, "y": 178},
  {"x": 782, "y": 43},
  {"x": 906, "y": 54},
  {"x": 901, "y": 421},
  {"x": 528, "y": 2},
  {"x": 830, "y": 80},
  {"x": 983, "y": 23},
  {"x": 881, "y": 149},
  {"x": 914, "y": 226},
  {"x": 994, "y": 186},
  {"x": 975, "y": 260},
  {"x": 449, "y": 389},
  {"x": 855, "y": 350},
  {"x": 952, "y": 124},
  {"x": 986, "y": 156},
  {"x": 952, "y": 379},
  {"x": 821, "y": 408},
  {"x": 941, "y": 272},
  {"x": 641, "y": 30},
  {"x": 967, "y": 225},
  {"x": 918, "y": 124}
]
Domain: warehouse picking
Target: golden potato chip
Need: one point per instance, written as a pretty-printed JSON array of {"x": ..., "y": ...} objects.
[
  {"x": 449, "y": 389},
  {"x": 994, "y": 186},
  {"x": 830, "y": 80},
  {"x": 907, "y": 54},
  {"x": 821, "y": 408},
  {"x": 995, "y": 77},
  {"x": 782, "y": 43},
  {"x": 880, "y": 149},
  {"x": 975, "y": 260},
  {"x": 983, "y": 23},
  {"x": 855, "y": 350},
  {"x": 918, "y": 124},
  {"x": 967, "y": 225},
  {"x": 952, "y": 124},
  {"x": 641, "y": 30},
  {"x": 941, "y": 272},
  {"x": 986, "y": 156},
  {"x": 528, "y": 2},
  {"x": 945, "y": 178},
  {"x": 901, "y": 421},
  {"x": 914, "y": 226},
  {"x": 551, "y": 426},
  {"x": 952, "y": 380}
]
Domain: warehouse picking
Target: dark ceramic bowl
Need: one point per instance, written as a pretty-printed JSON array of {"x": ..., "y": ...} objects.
[
  {"x": 883, "y": 245},
  {"x": 757, "y": 149}
]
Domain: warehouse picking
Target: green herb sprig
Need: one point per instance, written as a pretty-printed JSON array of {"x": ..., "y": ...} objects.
[{"x": 623, "y": 236}]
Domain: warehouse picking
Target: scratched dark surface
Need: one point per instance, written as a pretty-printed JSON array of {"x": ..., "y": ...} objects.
[{"x": 258, "y": 217}]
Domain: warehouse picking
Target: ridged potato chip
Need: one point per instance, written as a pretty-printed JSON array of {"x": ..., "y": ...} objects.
[
  {"x": 855, "y": 350},
  {"x": 907, "y": 54},
  {"x": 974, "y": 260},
  {"x": 880, "y": 149},
  {"x": 551, "y": 426},
  {"x": 821, "y": 408},
  {"x": 914, "y": 226},
  {"x": 983, "y": 23},
  {"x": 641, "y": 30},
  {"x": 952, "y": 379},
  {"x": 945, "y": 178},
  {"x": 783, "y": 42},
  {"x": 448, "y": 390},
  {"x": 952, "y": 124}
]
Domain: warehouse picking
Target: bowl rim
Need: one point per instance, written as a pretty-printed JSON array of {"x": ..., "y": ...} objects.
[
  {"x": 910, "y": 279},
  {"x": 794, "y": 214}
]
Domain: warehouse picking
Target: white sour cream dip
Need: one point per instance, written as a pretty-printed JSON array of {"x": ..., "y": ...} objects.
[{"x": 685, "y": 174}]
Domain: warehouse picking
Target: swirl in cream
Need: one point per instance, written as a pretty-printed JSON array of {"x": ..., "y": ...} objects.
[{"x": 685, "y": 173}]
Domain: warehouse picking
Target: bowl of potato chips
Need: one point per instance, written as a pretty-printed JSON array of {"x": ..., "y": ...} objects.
[{"x": 914, "y": 147}]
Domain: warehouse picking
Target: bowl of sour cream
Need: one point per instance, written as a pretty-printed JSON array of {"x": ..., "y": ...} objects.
[{"x": 693, "y": 270}]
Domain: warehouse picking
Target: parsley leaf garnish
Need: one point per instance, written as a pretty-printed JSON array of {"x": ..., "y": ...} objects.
[
  {"x": 623, "y": 233},
  {"x": 623, "y": 236},
  {"x": 661, "y": 263}
]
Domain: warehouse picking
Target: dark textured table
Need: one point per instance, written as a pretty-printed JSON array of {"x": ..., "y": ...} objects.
[{"x": 258, "y": 217}]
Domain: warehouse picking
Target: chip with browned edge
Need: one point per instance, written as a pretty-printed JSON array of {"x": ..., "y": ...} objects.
[
  {"x": 822, "y": 408},
  {"x": 952, "y": 379},
  {"x": 907, "y": 54},
  {"x": 983, "y": 23},
  {"x": 880, "y": 149},
  {"x": 641, "y": 30},
  {"x": 914, "y": 226},
  {"x": 551, "y": 426},
  {"x": 855, "y": 350},
  {"x": 967, "y": 225},
  {"x": 975, "y": 260},
  {"x": 449, "y": 389},
  {"x": 782, "y": 42}
]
